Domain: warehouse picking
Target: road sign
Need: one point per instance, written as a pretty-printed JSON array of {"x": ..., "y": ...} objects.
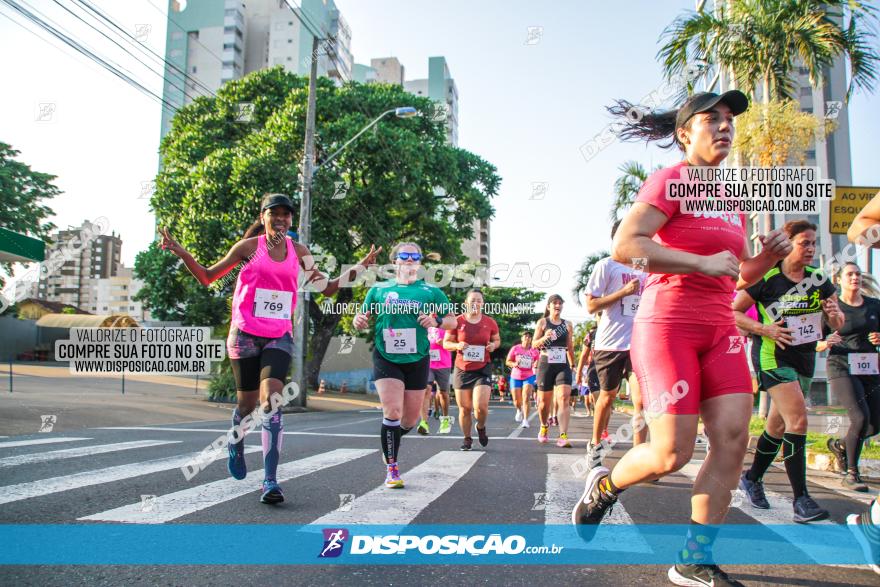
[{"x": 848, "y": 201}]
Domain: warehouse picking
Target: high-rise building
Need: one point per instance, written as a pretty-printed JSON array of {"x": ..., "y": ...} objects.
[
  {"x": 79, "y": 257},
  {"x": 215, "y": 41},
  {"x": 440, "y": 87},
  {"x": 114, "y": 295}
]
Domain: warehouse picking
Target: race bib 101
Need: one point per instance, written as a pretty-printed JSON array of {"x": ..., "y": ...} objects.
[{"x": 863, "y": 363}]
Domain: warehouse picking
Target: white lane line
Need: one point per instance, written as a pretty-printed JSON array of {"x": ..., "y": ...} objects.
[
  {"x": 20, "y": 491},
  {"x": 82, "y": 451},
  {"x": 424, "y": 484},
  {"x": 373, "y": 419},
  {"x": 563, "y": 490},
  {"x": 519, "y": 429},
  {"x": 14, "y": 443},
  {"x": 778, "y": 519},
  {"x": 187, "y": 501}
]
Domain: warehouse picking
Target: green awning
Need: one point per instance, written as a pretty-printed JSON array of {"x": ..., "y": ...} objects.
[{"x": 20, "y": 248}]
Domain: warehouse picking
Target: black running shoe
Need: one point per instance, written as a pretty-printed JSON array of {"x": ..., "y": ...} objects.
[
  {"x": 697, "y": 575},
  {"x": 807, "y": 510},
  {"x": 853, "y": 482},
  {"x": 594, "y": 503},
  {"x": 484, "y": 438},
  {"x": 754, "y": 491},
  {"x": 468, "y": 443},
  {"x": 868, "y": 536},
  {"x": 838, "y": 449}
]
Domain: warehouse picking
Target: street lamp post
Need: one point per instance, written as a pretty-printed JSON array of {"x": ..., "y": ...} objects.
[{"x": 300, "y": 320}]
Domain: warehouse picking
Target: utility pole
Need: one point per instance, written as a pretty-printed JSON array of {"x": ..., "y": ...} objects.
[{"x": 301, "y": 314}]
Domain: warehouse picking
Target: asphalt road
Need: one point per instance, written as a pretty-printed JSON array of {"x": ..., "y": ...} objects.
[{"x": 338, "y": 481}]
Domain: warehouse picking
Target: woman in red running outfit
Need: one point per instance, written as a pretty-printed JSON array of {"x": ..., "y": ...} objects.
[{"x": 684, "y": 330}]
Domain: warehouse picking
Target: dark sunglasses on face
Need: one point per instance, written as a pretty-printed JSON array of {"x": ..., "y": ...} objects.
[{"x": 404, "y": 256}]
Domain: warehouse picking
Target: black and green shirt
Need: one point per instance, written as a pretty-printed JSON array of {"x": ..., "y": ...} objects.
[
  {"x": 859, "y": 321},
  {"x": 397, "y": 306},
  {"x": 776, "y": 288}
]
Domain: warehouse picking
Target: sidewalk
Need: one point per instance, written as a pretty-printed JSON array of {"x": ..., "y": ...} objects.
[{"x": 79, "y": 401}]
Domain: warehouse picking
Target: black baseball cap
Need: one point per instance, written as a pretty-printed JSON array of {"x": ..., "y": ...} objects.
[
  {"x": 705, "y": 101},
  {"x": 273, "y": 200}
]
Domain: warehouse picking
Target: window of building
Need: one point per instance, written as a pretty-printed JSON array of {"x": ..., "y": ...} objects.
[
  {"x": 807, "y": 91},
  {"x": 807, "y": 109},
  {"x": 811, "y": 154}
]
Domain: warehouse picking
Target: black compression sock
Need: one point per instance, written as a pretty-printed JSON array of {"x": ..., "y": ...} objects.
[
  {"x": 389, "y": 439},
  {"x": 795, "y": 461},
  {"x": 765, "y": 452}
]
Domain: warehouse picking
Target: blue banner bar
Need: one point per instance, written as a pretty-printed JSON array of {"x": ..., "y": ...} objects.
[{"x": 181, "y": 544}]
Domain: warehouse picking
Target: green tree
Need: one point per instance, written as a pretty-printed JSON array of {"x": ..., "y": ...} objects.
[
  {"x": 216, "y": 167},
  {"x": 22, "y": 195},
  {"x": 762, "y": 42},
  {"x": 582, "y": 277},
  {"x": 627, "y": 187}
]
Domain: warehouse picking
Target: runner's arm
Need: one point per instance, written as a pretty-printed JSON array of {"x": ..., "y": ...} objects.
[
  {"x": 833, "y": 316},
  {"x": 775, "y": 246},
  {"x": 595, "y": 304},
  {"x": 741, "y": 304},
  {"x": 320, "y": 282},
  {"x": 239, "y": 252},
  {"x": 868, "y": 217},
  {"x": 570, "y": 350},
  {"x": 538, "y": 338},
  {"x": 450, "y": 341},
  {"x": 634, "y": 240}
]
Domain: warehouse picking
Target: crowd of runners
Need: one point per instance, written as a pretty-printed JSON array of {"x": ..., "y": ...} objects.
[{"x": 674, "y": 303}]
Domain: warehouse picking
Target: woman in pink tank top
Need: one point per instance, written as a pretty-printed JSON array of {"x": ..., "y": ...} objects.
[{"x": 260, "y": 342}]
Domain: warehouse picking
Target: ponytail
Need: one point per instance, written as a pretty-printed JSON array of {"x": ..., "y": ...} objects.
[
  {"x": 255, "y": 229},
  {"x": 639, "y": 124}
]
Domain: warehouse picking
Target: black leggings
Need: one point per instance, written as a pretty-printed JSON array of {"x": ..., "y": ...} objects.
[
  {"x": 269, "y": 364},
  {"x": 860, "y": 395}
]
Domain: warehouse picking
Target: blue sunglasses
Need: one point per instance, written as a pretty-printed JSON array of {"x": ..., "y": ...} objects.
[{"x": 405, "y": 256}]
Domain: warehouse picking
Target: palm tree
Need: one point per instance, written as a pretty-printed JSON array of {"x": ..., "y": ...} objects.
[
  {"x": 582, "y": 277},
  {"x": 627, "y": 186},
  {"x": 760, "y": 42}
]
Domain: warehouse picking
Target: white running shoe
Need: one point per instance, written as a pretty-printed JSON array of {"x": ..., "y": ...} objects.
[
  {"x": 518, "y": 416},
  {"x": 525, "y": 423}
]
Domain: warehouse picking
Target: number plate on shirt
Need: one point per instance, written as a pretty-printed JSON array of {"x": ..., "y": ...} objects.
[
  {"x": 435, "y": 355},
  {"x": 805, "y": 328},
  {"x": 556, "y": 354},
  {"x": 630, "y": 305},
  {"x": 474, "y": 354},
  {"x": 400, "y": 341},
  {"x": 270, "y": 303},
  {"x": 863, "y": 364},
  {"x": 524, "y": 362}
]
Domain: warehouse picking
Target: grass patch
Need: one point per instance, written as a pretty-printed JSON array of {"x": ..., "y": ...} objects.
[{"x": 816, "y": 441}]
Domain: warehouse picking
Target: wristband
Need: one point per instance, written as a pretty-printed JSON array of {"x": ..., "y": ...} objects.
[{"x": 439, "y": 320}]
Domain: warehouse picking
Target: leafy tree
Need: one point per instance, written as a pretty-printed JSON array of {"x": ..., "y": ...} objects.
[
  {"x": 762, "y": 42},
  {"x": 22, "y": 195},
  {"x": 216, "y": 168},
  {"x": 627, "y": 186},
  {"x": 582, "y": 277},
  {"x": 777, "y": 133}
]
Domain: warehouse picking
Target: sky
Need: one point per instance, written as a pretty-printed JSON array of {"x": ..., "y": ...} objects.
[{"x": 527, "y": 103}]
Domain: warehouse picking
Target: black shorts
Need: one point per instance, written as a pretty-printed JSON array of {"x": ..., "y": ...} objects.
[
  {"x": 440, "y": 377},
  {"x": 612, "y": 367},
  {"x": 269, "y": 364},
  {"x": 470, "y": 379},
  {"x": 414, "y": 375},
  {"x": 593, "y": 378},
  {"x": 550, "y": 375}
]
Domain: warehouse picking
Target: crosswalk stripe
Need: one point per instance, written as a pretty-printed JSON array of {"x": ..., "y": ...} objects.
[
  {"x": 563, "y": 489},
  {"x": 169, "y": 507},
  {"x": 20, "y": 491},
  {"x": 424, "y": 484},
  {"x": 15, "y": 443},
  {"x": 778, "y": 519},
  {"x": 68, "y": 453}
]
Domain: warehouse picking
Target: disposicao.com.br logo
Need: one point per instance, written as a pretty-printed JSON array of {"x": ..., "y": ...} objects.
[{"x": 476, "y": 545}]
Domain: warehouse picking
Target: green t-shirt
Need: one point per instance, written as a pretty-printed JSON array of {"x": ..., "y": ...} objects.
[{"x": 396, "y": 308}]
